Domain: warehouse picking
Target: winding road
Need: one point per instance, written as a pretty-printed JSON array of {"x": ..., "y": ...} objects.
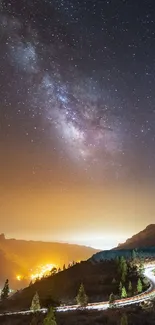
[{"x": 147, "y": 295}]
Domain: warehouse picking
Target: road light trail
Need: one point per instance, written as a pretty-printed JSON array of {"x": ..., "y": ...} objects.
[{"x": 147, "y": 295}]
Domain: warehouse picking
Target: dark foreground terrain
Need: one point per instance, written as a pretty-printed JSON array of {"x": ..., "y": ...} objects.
[
  {"x": 135, "y": 316},
  {"x": 62, "y": 288}
]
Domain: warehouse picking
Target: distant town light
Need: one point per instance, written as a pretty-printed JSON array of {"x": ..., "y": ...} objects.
[
  {"x": 42, "y": 271},
  {"x": 19, "y": 277}
]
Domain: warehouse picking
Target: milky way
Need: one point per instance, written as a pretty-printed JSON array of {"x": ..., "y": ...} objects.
[{"x": 57, "y": 65}]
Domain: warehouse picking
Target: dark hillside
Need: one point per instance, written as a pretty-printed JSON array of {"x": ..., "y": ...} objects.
[
  {"x": 145, "y": 238},
  {"x": 62, "y": 288},
  {"x": 146, "y": 252}
]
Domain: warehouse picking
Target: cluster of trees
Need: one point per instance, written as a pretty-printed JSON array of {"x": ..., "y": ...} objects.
[
  {"x": 81, "y": 299},
  {"x": 50, "y": 319},
  {"x": 124, "y": 293},
  {"x": 127, "y": 292},
  {"x": 55, "y": 270},
  {"x": 124, "y": 269},
  {"x": 138, "y": 260},
  {"x": 35, "y": 307}
]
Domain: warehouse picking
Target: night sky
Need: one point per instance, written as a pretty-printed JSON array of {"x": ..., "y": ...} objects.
[{"x": 77, "y": 119}]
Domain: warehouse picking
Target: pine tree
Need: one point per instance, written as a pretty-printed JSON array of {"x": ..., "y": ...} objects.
[
  {"x": 121, "y": 262},
  {"x": 120, "y": 288},
  {"x": 123, "y": 277},
  {"x": 123, "y": 269},
  {"x": 130, "y": 288},
  {"x": 134, "y": 255},
  {"x": 64, "y": 267},
  {"x": 53, "y": 271},
  {"x": 35, "y": 305},
  {"x": 50, "y": 318},
  {"x": 5, "y": 290},
  {"x": 82, "y": 298},
  {"x": 139, "y": 286},
  {"x": 123, "y": 294},
  {"x": 141, "y": 267},
  {"x": 119, "y": 269},
  {"x": 117, "y": 260},
  {"x": 124, "y": 320},
  {"x": 111, "y": 300}
]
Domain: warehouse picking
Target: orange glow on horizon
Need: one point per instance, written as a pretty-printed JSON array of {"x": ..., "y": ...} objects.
[{"x": 42, "y": 271}]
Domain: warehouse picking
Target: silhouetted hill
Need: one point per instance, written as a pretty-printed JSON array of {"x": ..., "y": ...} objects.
[
  {"x": 143, "y": 243},
  {"x": 146, "y": 252},
  {"x": 8, "y": 267},
  {"x": 145, "y": 238},
  {"x": 19, "y": 256},
  {"x": 63, "y": 287}
]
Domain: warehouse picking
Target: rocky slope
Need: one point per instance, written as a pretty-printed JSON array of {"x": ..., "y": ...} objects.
[{"x": 145, "y": 238}]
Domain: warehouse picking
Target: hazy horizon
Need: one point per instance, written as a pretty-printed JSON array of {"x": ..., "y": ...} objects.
[{"x": 100, "y": 242}]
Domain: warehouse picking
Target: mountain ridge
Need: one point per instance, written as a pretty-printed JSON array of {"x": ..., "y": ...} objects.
[
  {"x": 144, "y": 238},
  {"x": 22, "y": 255}
]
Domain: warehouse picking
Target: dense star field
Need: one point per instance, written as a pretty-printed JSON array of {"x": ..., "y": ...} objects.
[{"x": 77, "y": 97}]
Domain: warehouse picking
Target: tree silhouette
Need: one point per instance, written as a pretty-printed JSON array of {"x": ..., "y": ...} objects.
[
  {"x": 35, "y": 305},
  {"x": 139, "y": 286},
  {"x": 130, "y": 288},
  {"x": 111, "y": 300},
  {"x": 82, "y": 298},
  {"x": 134, "y": 255},
  {"x": 120, "y": 288},
  {"x": 53, "y": 271},
  {"x": 123, "y": 294},
  {"x": 5, "y": 290},
  {"x": 124, "y": 269},
  {"x": 50, "y": 318},
  {"x": 141, "y": 267}
]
